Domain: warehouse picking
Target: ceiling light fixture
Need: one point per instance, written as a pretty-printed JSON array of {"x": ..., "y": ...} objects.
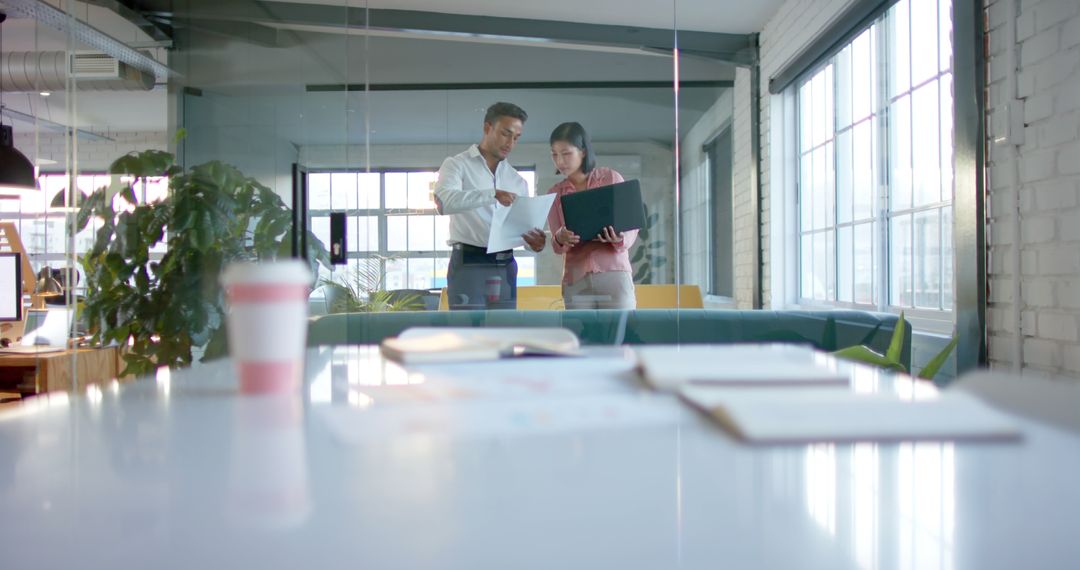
[{"x": 16, "y": 171}]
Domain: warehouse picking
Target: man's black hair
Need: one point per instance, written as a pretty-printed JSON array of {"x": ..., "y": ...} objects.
[{"x": 502, "y": 109}]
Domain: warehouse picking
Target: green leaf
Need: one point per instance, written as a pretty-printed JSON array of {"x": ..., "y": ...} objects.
[
  {"x": 896, "y": 345},
  {"x": 866, "y": 355},
  {"x": 931, "y": 369}
]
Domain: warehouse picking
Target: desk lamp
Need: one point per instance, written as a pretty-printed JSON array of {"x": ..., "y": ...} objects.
[{"x": 46, "y": 286}]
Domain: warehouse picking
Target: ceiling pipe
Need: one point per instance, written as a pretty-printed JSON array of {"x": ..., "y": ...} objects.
[{"x": 47, "y": 71}]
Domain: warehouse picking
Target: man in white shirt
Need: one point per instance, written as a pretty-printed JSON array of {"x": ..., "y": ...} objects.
[{"x": 470, "y": 185}]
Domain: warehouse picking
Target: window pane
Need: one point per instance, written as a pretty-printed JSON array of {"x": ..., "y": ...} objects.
[
  {"x": 807, "y": 267},
  {"x": 818, "y": 113},
  {"x": 343, "y": 190},
  {"x": 946, "y": 138},
  {"x": 806, "y": 113},
  {"x": 924, "y": 56},
  {"x": 397, "y": 233},
  {"x": 530, "y": 179},
  {"x": 806, "y": 186},
  {"x": 396, "y": 274},
  {"x": 843, "y": 177},
  {"x": 821, "y": 266},
  {"x": 945, "y": 47},
  {"x": 863, "y": 263},
  {"x": 441, "y": 264},
  {"x": 901, "y": 55},
  {"x": 843, "y": 88},
  {"x": 829, "y": 108},
  {"x": 526, "y": 271},
  {"x": 319, "y": 191},
  {"x": 320, "y": 226},
  {"x": 843, "y": 264},
  {"x": 819, "y": 203},
  {"x": 421, "y": 273},
  {"x": 442, "y": 233},
  {"x": 862, "y": 77},
  {"x": 421, "y": 233},
  {"x": 830, "y": 185},
  {"x": 947, "y": 259},
  {"x": 863, "y": 186},
  {"x": 926, "y": 160},
  {"x": 420, "y": 190},
  {"x": 366, "y": 235},
  {"x": 900, "y": 261},
  {"x": 900, "y": 156},
  {"x": 397, "y": 193},
  {"x": 927, "y": 260},
  {"x": 830, "y": 266},
  {"x": 368, "y": 183}
]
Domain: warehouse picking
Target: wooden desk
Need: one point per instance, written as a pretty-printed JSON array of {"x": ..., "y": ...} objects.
[{"x": 49, "y": 371}]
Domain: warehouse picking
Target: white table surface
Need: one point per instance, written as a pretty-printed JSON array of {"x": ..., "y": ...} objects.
[{"x": 538, "y": 463}]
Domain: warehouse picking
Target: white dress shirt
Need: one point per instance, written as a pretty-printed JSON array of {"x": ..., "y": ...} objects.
[{"x": 466, "y": 192}]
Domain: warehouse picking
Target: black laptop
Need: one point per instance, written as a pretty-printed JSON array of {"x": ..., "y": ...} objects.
[{"x": 619, "y": 205}]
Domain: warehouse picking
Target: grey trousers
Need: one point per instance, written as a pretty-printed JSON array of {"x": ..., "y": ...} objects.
[
  {"x": 608, "y": 290},
  {"x": 479, "y": 280}
]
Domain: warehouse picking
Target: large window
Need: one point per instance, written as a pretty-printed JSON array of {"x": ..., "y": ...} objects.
[
  {"x": 44, "y": 228},
  {"x": 395, "y": 239},
  {"x": 875, "y": 167}
]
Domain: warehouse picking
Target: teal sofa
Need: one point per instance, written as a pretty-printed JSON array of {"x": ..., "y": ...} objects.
[{"x": 826, "y": 330}]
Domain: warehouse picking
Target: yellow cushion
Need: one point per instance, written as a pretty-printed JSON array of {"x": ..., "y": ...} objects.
[
  {"x": 530, "y": 298},
  {"x": 668, "y": 296}
]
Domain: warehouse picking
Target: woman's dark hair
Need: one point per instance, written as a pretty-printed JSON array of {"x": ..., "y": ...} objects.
[{"x": 575, "y": 134}]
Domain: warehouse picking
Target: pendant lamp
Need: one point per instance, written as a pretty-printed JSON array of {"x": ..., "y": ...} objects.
[{"x": 16, "y": 171}]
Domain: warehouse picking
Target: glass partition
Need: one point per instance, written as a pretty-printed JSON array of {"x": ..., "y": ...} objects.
[{"x": 346, "y": 111}]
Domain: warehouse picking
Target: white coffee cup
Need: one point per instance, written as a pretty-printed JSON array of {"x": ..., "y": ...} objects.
[
  {"x": 267, "y": 309},
  {"x": 493, "y": 288}
]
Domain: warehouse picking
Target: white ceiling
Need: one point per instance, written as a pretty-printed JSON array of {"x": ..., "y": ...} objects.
[{"x": 231, "y": 68}]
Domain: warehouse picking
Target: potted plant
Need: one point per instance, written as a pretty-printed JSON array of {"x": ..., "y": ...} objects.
[{"x": 170, "y": 310}]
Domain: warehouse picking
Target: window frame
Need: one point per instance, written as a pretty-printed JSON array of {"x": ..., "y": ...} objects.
[
  {"x": 883, "y": 99},
  {"x": 383, "y": 254}
]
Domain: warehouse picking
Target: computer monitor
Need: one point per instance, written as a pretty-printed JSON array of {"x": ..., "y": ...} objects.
[
  {"x": 10, "y": 286},
  {"x": 47, "y": 327}
]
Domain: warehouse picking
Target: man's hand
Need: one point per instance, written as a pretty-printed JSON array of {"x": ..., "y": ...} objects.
[
  {"x": 535, "y": 238},
  {"x": 565, "y": 237},
  {"x": 505, "y": 198}
]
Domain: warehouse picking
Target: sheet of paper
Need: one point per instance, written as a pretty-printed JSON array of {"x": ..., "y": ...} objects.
[
  {"x": 509, "y": 223},
  {"x": 668, "y": 367},
  {"x": 805, "y": 415}
]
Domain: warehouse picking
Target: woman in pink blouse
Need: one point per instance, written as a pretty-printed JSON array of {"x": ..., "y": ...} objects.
[{"x": 597, "y": 273}]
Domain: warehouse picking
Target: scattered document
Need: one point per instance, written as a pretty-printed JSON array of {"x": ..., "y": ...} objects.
[
  {"x": 668, "y": 367},
  {"x": 806, "y": 415},
  {"x": 421, "y": 345},
  {"x": 510, "y": 222}
]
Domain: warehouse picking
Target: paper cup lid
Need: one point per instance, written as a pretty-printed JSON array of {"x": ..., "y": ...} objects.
[{"x": 284, "y": 271}]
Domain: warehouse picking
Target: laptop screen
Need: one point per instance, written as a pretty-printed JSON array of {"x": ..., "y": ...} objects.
[{"x": 46, "y": 327}]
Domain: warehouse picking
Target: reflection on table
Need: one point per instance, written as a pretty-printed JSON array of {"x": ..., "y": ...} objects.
[{"x": 536, "y": 463}]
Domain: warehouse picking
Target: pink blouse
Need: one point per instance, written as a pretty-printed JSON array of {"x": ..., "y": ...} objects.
[{"x": 589, "y": 256}]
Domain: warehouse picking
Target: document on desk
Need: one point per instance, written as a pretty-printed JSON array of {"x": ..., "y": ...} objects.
[
  {"x": 509, "y": 222},
  {"x": 809, "y": 415},
  {"x": 669, "y": 367}
]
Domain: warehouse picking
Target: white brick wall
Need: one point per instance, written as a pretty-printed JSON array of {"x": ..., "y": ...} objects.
[
  {"x": 92, "y": 156},
  {"x": 1048, "y": 44}
]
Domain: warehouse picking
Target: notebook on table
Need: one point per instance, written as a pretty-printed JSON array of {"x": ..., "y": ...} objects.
[
  {"x": 618, "y": 205},
  {"x": 420, "y": 345}
]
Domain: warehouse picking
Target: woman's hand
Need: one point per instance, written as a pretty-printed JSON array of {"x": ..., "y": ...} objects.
[
  {"x": 566, "y": 238},
  {"x": 609, "y": 235}
]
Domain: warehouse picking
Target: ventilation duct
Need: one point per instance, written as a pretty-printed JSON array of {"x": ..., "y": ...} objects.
[{"x": 47, "y": 71}]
